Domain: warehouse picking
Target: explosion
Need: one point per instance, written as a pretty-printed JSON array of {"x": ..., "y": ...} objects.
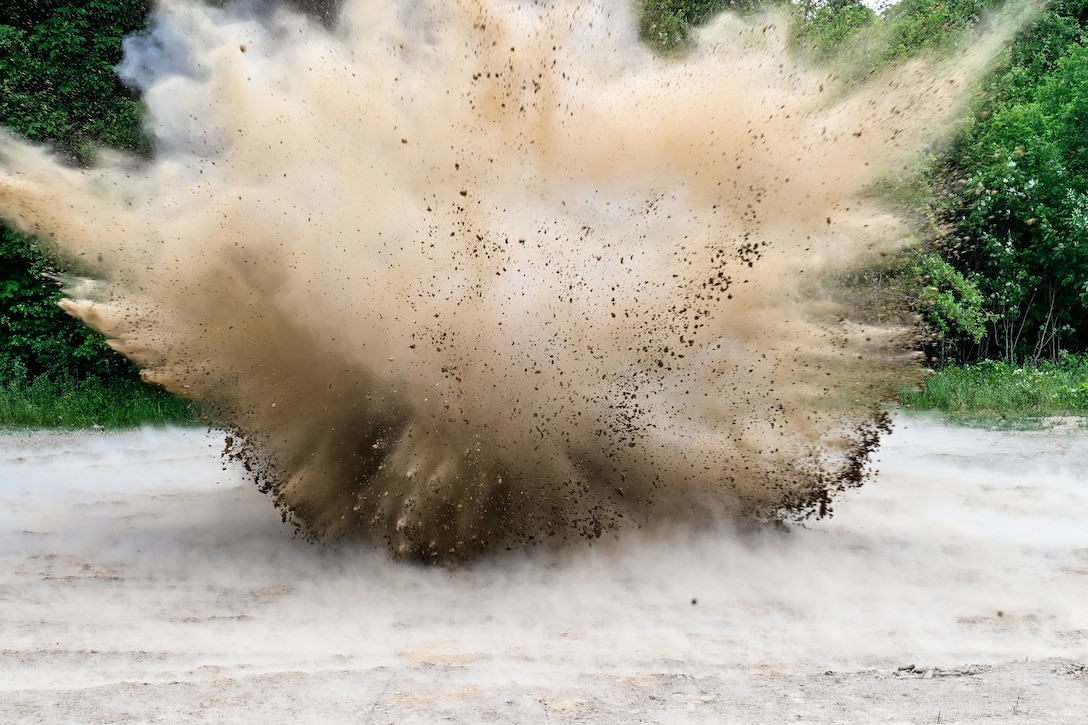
[{"x": 470, "y": 275}]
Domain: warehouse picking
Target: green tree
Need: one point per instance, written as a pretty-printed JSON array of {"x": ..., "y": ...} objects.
[
  {"x": 58, "y": 87},
  {"x": 666, "y": 25},
  {"x": 826, "y": 27},
  {"x": 57, "y": 83},
  {"x": 1022, "y": 201}
]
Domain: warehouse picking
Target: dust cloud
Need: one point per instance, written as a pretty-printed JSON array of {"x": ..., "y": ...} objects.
[{"x": 462, "y": 276}]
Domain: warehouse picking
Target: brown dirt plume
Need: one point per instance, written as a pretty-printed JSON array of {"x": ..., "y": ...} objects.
[{"x": 471, "y": 275}]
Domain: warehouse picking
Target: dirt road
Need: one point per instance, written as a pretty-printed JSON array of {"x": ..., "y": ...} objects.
[{"x": 140, "y": 582}]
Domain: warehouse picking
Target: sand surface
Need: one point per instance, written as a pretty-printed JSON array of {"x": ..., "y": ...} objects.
[{"x": 142, "y": 582}]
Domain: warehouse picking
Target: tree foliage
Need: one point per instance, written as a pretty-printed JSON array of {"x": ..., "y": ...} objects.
[
  {"x": 57, "y": 83},
  {"x": 58, "y": 87},
  {"x": 1018, "y": 203},
  {"x": 666, "y": 25},
  {"x": 828, "y": 26}
]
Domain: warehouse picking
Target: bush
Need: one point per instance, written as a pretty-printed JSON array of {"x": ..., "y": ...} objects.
[
  {"x": 1020, "y": 195},
  {"x": 58, "y": 87}
]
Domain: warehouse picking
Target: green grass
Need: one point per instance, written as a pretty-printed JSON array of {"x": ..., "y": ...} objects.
[
  {"x": 45, "y": 403},
  {"x": 985, "y": 393},
  {"x": 992, "y": 392}
]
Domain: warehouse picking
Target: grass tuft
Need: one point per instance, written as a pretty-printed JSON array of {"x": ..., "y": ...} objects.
[
  {"x": 986, "y": 393},
  {"x": 996, "y": 391},
  {"x": 90, "y": 403}
]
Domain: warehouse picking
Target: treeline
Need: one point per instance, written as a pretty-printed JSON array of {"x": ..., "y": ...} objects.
[{"x": 1003, "y": 273}]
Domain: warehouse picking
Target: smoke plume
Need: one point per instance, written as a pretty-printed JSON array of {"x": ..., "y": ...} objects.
[{"x": 477, "y": 274}]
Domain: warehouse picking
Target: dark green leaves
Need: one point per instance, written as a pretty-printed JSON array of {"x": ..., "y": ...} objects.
[
  {"x": 1025, "y": 198},
  {"x": 58, "y": 87}
]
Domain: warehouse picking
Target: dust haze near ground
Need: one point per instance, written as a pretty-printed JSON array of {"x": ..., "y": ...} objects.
[
  {"x": 141, "y": 583},
  {"x": 471, "y": 275}
]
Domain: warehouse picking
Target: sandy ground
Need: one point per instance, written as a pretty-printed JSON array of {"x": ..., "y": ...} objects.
[{"x": 141, "y": 582}]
